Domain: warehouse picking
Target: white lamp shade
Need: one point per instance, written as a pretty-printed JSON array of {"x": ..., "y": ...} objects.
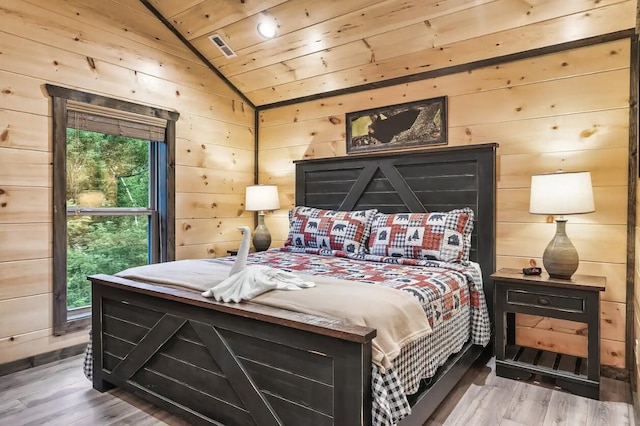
[
  {"x": 561, "y": 193},
  {"x": 262, "y": 197}
]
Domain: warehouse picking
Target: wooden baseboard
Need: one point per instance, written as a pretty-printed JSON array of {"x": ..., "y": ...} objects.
[
  {"x": 615, "y": 373},
  {"x": 40, "y": 359}
]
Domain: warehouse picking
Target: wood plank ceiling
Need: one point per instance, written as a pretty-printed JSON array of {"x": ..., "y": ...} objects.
[{"x": 328, "y": 45}]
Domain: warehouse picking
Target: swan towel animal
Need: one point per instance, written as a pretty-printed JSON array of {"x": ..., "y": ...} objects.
[
  {"x": 253, "y": 281},
  {"x": 246, "y": 282}
]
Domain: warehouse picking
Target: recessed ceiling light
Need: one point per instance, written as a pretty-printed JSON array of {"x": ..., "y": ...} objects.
[{"x": 267, "y": 27}]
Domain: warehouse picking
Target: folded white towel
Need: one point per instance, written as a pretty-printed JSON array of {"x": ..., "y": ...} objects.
[
  {"x": 255, "y": 280},
  {"x": 245, "y": 282}
]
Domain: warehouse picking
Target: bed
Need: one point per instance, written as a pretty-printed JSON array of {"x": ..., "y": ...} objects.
[{"x": 217, "y": 363}]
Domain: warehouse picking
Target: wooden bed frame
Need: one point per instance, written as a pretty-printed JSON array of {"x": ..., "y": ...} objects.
[{"x": 247, "y": 364}]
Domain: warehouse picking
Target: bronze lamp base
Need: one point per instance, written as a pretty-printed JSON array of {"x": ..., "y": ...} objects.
[
  {"x": 261, "y": 236},
  {"x": 560, "y": 258}
]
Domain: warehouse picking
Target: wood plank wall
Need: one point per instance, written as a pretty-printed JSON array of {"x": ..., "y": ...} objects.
[
  {"x": 114, "y": 48},
  {"x": 566, "y": 110}
]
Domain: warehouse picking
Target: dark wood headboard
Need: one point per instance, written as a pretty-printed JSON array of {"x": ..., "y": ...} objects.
[{"x": 434, "y": 180}]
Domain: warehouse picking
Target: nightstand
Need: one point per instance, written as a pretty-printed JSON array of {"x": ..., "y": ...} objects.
[{"x": 577, "y": 299}]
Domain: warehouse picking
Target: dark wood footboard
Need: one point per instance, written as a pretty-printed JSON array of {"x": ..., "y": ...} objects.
[{"x": 215, "y": 363}]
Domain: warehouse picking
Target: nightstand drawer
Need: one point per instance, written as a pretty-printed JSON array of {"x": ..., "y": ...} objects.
[{"x": 547, "y": 301}]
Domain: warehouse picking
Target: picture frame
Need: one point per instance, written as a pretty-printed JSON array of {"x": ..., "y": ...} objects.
[{"x": 408, "y": 125}]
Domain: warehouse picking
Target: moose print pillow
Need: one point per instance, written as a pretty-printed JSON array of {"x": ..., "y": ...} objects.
[
  {"x": 431, "y": 236},
  {"x": 329, "y": 229}
]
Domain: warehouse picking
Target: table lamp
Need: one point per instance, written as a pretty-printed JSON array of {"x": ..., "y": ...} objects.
[
  {"x": 260, "y": 198},
  {"x": 561, "y": 193}
]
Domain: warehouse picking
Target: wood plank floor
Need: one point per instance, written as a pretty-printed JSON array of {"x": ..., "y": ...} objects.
[
  {"x": 481, "y": 398},
  {"x": 59, "y": 394}
]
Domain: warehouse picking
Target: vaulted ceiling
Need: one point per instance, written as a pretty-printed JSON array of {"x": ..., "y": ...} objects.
[{"x": 329, "y": 45}]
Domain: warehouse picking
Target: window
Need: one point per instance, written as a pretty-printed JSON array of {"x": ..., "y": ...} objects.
[{"x": 112, "y": 193}]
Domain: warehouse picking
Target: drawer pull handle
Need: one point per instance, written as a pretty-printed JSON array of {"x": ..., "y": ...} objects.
[{"x": 543, "y": 301}]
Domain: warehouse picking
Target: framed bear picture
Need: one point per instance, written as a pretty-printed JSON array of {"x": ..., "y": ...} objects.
[{"x": 409, "y": 125}]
